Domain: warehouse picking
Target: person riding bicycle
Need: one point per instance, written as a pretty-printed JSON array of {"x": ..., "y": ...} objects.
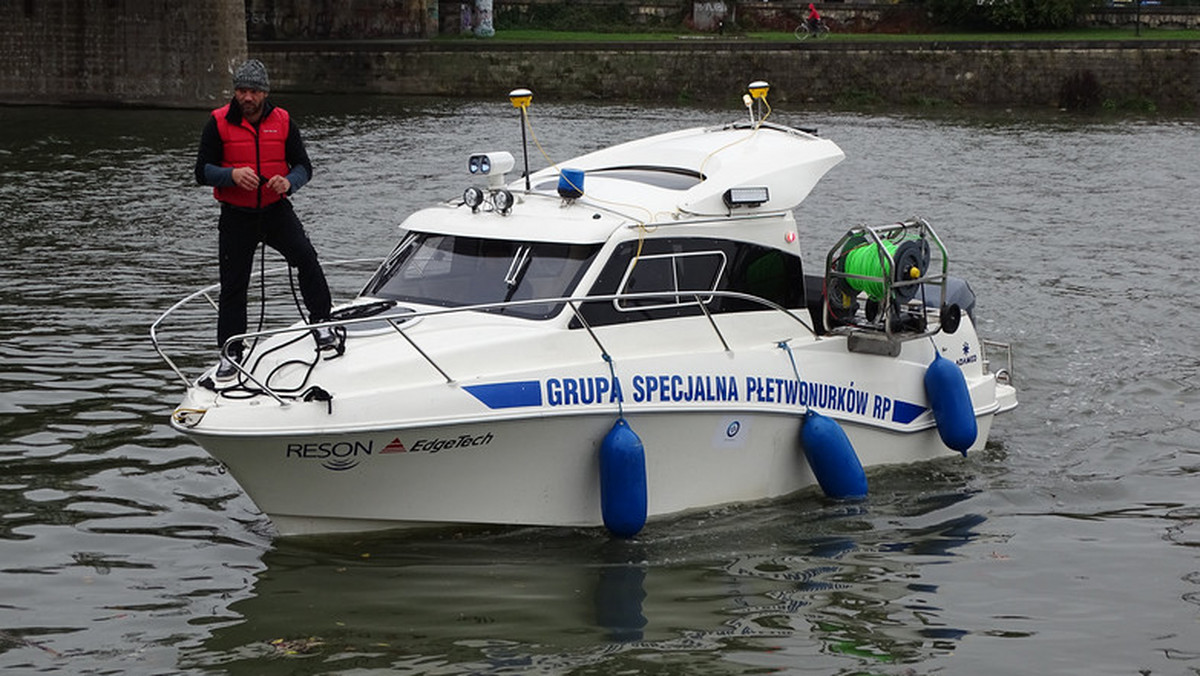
[{"x": 814, "y": 19}]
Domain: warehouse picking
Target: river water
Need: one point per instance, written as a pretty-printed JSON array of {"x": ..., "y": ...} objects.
[{"x": 1071, "y": 545}]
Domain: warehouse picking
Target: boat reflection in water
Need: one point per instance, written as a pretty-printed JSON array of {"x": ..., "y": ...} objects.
[{"x": 536, "y": 600}]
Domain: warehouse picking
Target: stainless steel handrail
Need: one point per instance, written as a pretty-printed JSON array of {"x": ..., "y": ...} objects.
[
  {"x": 1004, "y": 374},
  {"x": 572, "y": 302},
  {"x": 154, "y": 327}
]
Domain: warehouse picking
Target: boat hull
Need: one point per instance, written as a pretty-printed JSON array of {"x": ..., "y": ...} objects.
[{"x": 514, "y": 472}]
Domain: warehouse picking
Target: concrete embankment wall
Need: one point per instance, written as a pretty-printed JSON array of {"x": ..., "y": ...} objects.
[
  {"x": 301, "y": 44},
  {"x": 163, "y": 53},
  {"x": 1165, "y": 74}
]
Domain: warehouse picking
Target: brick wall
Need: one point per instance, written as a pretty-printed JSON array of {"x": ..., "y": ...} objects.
[{"x": 126, "y": 52}]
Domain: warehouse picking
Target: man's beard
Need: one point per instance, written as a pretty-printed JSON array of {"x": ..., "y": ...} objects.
[{"x": 251, "y": 109}]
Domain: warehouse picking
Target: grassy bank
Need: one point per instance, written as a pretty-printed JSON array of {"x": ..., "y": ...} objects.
[{"x": 1085, "y": 34}]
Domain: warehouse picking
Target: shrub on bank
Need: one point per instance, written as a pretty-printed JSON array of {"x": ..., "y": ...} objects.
[
  {"x": 594, "y": 17},
  {"x": 1007, "y": 15}
]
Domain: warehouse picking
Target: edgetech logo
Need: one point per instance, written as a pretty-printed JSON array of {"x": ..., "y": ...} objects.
[{"x": 437, "y": 444}]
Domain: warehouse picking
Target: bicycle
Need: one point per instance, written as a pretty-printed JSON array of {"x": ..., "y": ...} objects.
[{"x": 805, "y": 30}]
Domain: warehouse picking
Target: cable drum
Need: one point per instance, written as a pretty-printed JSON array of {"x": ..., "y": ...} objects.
[
  {"x": 911, "y": 257},
  {"x": 912, "y": 261},
  {"x": 841, "y": 299}
]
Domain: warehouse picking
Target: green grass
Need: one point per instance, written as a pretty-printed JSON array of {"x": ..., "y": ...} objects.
[
  {"x": 536, "y": 35},
  {"x": 1082, "y": 34},
  {"x": 1088, "y": 34}
]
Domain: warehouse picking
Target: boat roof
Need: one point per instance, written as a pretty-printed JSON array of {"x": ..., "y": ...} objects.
[
  {"x": 664, "y": 178},
  {"x": 787, "y": 161}
]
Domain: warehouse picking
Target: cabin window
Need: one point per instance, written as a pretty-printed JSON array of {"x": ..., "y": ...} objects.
[
  {"x": 453, "y": 271},
  {"x": 677, "y": 278},
  {"x": 670, "y": 277}
]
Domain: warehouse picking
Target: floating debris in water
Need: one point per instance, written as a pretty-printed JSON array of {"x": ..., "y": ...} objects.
[
  {"x": 18, "y": 641},
  {"x": 299, "y": 646}
]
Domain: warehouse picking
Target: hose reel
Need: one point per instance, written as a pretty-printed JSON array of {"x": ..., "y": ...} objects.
[
  {"x": 865, "y": 261},
  {"x": 884, "y": 279}
]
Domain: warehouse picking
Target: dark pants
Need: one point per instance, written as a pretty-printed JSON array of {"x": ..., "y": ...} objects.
[{"x": 240, "y": 232}]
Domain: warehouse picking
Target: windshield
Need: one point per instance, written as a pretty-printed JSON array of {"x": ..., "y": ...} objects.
[{"x": 452, "y": 271}]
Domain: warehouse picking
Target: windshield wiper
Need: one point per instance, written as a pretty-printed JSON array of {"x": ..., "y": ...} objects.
[{"x": 516, "y": 270}]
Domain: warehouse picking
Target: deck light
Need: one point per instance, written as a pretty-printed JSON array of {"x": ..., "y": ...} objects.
[
  {"x": 503, "y": 200},
  {"x": 473, "y": 197},
  {"x": 747, "y": 196}
]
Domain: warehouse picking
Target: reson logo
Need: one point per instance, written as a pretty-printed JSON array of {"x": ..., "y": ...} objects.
[{"x": 337, "y": 455}]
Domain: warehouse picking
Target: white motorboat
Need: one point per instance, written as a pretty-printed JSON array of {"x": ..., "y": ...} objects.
[{"x": 623, "y": 336}]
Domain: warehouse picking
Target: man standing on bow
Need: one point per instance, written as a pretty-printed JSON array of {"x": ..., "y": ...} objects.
[{"x": 252, "y": 153}]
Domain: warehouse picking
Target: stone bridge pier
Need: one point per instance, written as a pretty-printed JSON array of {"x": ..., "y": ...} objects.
[{"x": 161, "y": 53}]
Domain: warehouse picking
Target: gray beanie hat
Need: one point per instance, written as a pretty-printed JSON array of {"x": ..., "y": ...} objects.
[{"x": 251, "y": 75}]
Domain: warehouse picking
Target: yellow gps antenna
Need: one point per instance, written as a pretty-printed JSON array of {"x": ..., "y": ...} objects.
[
  {"x": 521, "y": 98},
  {"x": 758, "y": 92}
]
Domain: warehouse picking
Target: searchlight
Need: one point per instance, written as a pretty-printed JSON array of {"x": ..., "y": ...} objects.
[{"x": 493, "y": 165}]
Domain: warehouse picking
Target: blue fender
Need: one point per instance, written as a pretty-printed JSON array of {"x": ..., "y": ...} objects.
[
  {"x": 623, "y": 481},
  {"x": 832, "y": 458},
  {"x": 946, "y": 389}
]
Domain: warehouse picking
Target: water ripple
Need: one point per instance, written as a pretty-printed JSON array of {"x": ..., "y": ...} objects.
[{"x": 125, "y": 549}]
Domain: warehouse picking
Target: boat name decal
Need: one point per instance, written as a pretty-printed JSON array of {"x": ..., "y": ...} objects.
[
  {"x": 679, "y": 388},
  {"x": 576, "y": 391}
]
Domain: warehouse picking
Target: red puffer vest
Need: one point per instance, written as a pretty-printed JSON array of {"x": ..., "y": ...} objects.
[{"x": 263, "y": 148}]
